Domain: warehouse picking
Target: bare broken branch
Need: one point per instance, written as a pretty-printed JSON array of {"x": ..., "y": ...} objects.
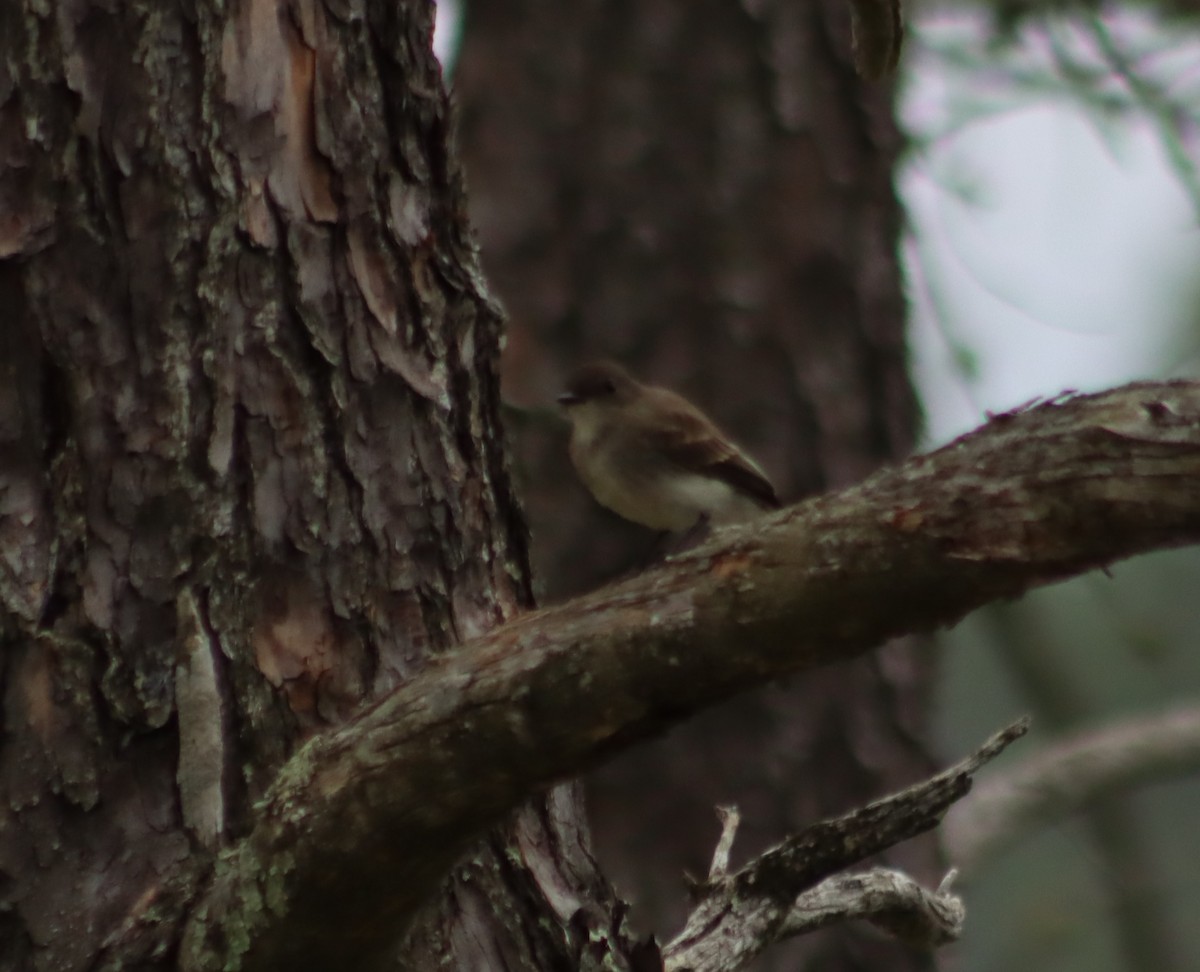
[
  {"x": 1032, "y": 497},
  {"x": 730, "y": 818},
  {"x": 890, "y": 900},
  {"x": 742, "y": 914},
  {"x": 1066, "y": 776}
]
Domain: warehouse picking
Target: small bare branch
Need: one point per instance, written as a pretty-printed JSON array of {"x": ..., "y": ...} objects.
[
  {"x": 890, "y": 900},
  {"x": 768, "y": 900},
  {"x": 730, "y": 818},
  {"x": 1064, "y": 777}
]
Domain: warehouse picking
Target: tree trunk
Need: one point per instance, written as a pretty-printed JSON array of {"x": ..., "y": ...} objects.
[
  {"x": 252, "y": 472},
  {"x": 704, "y": 191},
  {"x": 252, "y": 477}
]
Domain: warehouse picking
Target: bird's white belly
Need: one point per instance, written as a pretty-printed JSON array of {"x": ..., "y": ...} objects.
[
  {"x": 644, "y": 488},
  {"x": 665, "y": 498}
]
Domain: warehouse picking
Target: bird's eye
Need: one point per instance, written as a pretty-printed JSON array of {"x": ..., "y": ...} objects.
[{"x": 609, "y": 387}]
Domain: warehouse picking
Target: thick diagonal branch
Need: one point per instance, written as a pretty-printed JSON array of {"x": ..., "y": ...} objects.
[{"x": 363, "y": 821}]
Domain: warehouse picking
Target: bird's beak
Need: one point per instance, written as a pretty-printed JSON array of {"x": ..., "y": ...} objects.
[{"x": 567, "y": 399}]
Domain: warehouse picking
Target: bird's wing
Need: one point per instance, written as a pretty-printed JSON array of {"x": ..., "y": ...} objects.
[{"x": 685, "y": 435}]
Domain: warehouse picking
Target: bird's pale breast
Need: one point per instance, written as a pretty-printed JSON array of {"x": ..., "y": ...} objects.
[{"x": 640, "y": 485}]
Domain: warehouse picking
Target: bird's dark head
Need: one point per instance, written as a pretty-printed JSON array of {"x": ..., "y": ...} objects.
[{"x": 599, "y": 382}]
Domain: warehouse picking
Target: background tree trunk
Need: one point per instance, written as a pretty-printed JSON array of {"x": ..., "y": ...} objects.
[{"x": 704, "y": 191}]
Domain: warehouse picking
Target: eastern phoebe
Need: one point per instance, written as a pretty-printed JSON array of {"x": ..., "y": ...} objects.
[{"x": 652, "y": 457}]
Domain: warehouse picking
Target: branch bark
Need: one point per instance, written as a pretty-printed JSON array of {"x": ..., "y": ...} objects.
[
  {"x": 890, "y": 900},
  {"x": 363, "y": 821}
]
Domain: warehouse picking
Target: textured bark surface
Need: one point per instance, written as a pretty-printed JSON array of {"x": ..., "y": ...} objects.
[
  {"x": 703, "y": 191},
  {"x": 250, "y": 464}
]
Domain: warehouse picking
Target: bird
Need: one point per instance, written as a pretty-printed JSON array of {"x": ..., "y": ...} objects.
[{"x": 652, "y": 457}]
